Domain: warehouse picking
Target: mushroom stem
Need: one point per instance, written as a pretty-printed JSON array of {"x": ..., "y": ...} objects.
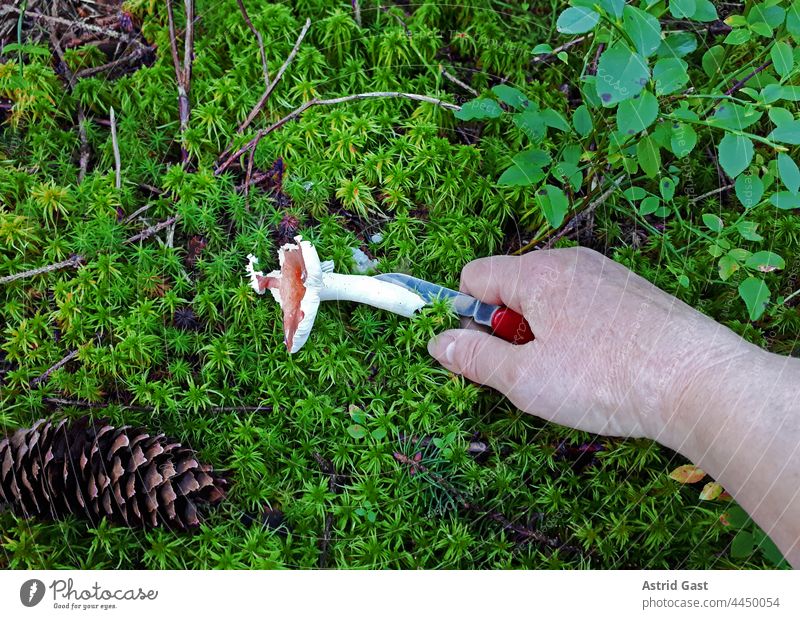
[{"x": 371, "y": 291}]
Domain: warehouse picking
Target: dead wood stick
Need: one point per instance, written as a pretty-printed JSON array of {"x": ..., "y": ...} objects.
[
  {"x": 59, "y": 364},
  {"x": 73, "y": 24},
  {"x": 308, "y": 104},
  {"x": 71, "y": 262},
  {"x": 183, "y": 74},
  {"x": 262, "y": 101},
  {"x": 458, "y": 82},
  {"x": 148, "y": 232},
  {"x": 115, "y": 146},
  {"x": 259, "y": 39}
]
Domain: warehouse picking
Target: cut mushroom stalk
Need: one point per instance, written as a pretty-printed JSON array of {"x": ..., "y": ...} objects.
[{"x": 303, "y": 282}]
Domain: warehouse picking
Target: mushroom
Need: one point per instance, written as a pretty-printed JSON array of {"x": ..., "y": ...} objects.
[{"x": 303, "y": 281}]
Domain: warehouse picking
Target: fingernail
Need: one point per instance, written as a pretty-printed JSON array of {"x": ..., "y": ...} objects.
[{"x": 443, "y": 348}]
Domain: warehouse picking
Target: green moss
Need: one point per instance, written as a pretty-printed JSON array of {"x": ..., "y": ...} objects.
[{"x": 396, "y": 167}]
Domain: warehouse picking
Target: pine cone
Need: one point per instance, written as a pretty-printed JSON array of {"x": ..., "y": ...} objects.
[{"x": 92, "y": 469}]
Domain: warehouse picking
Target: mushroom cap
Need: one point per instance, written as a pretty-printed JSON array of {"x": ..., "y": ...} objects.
[{"x": 312, "y": 281}]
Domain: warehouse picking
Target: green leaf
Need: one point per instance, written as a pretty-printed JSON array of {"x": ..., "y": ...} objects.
[
  {"x": 792, "y": 20},
  {"x": 788, "y": 133},
  {"x": 479, "y": 109},
  {"x": 705, "y": 11},
  {"x": 667, "y": 188},
  {"x": 542, "y": 48},
  {"x": 356, "y": 431},
  {"x": 727, "y": 266},
  {"x": 770, "y": 551},
  {"x": 643, "y": 29},
  {"x": 755, "y": 294},
  {"x": 780, "y": 115},
  {"x": 621, "y": 74},
  {"x": 577, "y": 20},
  {"x": 379, "y": 434},
  {"x": 738, "y": 37},
  {"x": 531, "y": 123},
  {"x": 749, "y": 189},
  {"x": 765, "y": 261},
  {"x": 747, "y": 230},
  {"x": 683, "y": 139},
  {"x": 649, "y": 157},
  {"x": 785, "y": 200},
  {"x": 713, "y": 60},
  {"x": 511, "y": 96},
  {"x": 670, "y": 75},
  {"x": 782, "y": 58},
  {"x": 553, "y": 119},
  {"x": 789, "y": 172},
  {"x": 554, "y": 204},
  {"x": 735, "y": 154},
  {"x": 762, "y": 29},
  {"x": 613, "y": 7},
  {"x": 526, "y": 168},
  {"x": 677, "y": 45},
  {"x": 681, "y": 9},
  {"x": 635, "y": 115},
  {"x": 735, "y": 117},
  {"x": 742, "y": 545},
  {"x": 713, "y": 222},
  {"x": 582, "y": 121},
  {"x": 649, "y": 205},
  {"x": 738, "y": 518}
]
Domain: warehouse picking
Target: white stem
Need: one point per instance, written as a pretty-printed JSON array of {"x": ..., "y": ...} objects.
[{"x": 374, "y": 292}]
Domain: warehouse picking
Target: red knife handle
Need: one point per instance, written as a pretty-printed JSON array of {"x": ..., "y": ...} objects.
[{"x": 511, "y": 326}]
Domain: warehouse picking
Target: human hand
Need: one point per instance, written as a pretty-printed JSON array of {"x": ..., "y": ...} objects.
[{"x": 613, "y": 354}]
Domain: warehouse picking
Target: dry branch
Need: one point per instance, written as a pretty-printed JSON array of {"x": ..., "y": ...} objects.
[
  {"x": 148, "y": 232},
  {"x": 183, "y": 74},
  {"x": 115, "y": 146},
  {"x": 73, "y": 261},
  {"x": 260, "y": 40},
  {"x": 59, "y": 364},
  {"x": 313, "y": 102}
]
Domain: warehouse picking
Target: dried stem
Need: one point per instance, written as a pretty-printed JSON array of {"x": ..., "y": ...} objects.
[
  {"x": 80, "y": 25},
  {"x": 458, "y": 82},
  {"x": 713, "y": 192},
  {"x": 561, "y": 48},
  {"x": 72, "y": 262},
  {"x": 183, "y": 74},
  {"x": 148, "y": 232},
  {"x": 115, "y": 145},
  {"x": 260, "y": 40},
  {"x": 218, "y": 409},
  {"x": 59, "y": 364},
  {"x": 313, "y": 102},
  {"x": 356, "y": 12},
  {"x": 334, "y": 486},
  {"x": 130, "y": 58},
  {"x": 263, "y": 100}
]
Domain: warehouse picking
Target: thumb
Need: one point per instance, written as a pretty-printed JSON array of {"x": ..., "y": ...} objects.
[{"x": 478, "y": 356}]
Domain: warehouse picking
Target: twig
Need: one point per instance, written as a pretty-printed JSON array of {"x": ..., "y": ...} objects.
[
  {"x": 183, "y": 75},
  {"x": 560, "y": 48},
  {"x": 711, "y": 193},
  {"x": 334, "y": 486},
  {"x": 83, "y": 161},
  {"x": 308, "y": 104},
  {"x": 136, "y": 213},
  {"x": 356, "y": 12},
  {"x": 744, "y": 80},
  {"x": 585, "y": 210},
  {"x": 217, "y": 409},
  {"x": 90, "y": 71},
  {"x": 73, "y": 261},
  {"x": 260, "y": 40},
  {"x": 73, "y": 24},
  {"x": 148, "y": 232},
  {"x": 262, "y": 101},
  {"x": 526, "y": 534},
  {"x": 115, "y": 145},
  {"x": 59, "y": 364},
  {"x": 458, "y": 82}
]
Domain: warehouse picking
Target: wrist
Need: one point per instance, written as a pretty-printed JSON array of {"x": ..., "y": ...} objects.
[{"x": 708, "y": 391}]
